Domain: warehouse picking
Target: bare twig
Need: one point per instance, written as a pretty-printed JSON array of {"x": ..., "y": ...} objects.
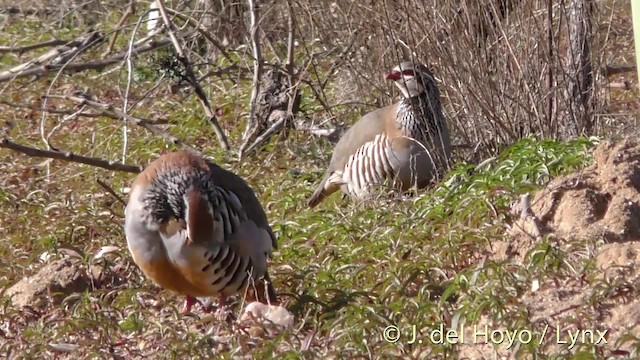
[
  {"x": 225, "y": 71},
  {"x": 125, "y": 106},
  {"x": 92, "y": 39},
  {"x": 68, "y": 156},
  {"x": 550, "y": 68},
  {"x": 56, "y": 56},
  {"x": 75, "y": 113},
  {"x": 319, "y": 131},
  {"x": 131, "y": 8},
  {"x": 342, "y": 58},
  {"x": 75, "y": 67},
  {"x": 203, "y": 31},
  {"x": 277, "y": 126},
  {"x": 50, "y": 110},
  {"x": 222, "y": 138},
  {"x": 113, "y": 112},
  {"x": 580, "y": 86},
  {"x": 257, "y": 75},
  {"x": 285, "y": 117},
  {"x": 25, "y": 48},
  {"x": 291, "y": 44},
  {"x": 111, "y": 191}
]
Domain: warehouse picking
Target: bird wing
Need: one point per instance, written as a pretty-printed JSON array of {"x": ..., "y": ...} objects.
[{"x": 362, "y": 132}]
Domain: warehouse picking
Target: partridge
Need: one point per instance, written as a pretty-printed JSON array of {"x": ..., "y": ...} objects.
[
  {"x": 197, "y": 229},
  {"x": 406, "y": 143}
]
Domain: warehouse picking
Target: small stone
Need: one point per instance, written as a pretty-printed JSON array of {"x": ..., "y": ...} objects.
[{"x": 273, "y": 313}]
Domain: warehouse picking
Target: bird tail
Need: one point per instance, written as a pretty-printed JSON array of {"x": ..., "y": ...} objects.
[
  {"x": 326, "y": 188},
  {"x": 317, "y": 196}
]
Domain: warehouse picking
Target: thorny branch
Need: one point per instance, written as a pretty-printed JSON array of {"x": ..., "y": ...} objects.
[
  {"x": 69, "y": 156},
  {"x": 222, "y": 138}
]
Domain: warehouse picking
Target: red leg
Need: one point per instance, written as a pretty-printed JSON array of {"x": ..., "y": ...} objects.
[
  {"x": 188, "y": 303},
  {"x": 221, "y": 312}
]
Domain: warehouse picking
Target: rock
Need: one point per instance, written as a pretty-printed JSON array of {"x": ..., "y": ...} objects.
[
  {"x": 273, "y": 313},
  {"x": 52, "y": 283}
]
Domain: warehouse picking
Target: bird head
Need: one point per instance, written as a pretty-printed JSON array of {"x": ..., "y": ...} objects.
[{"x": 412, "y": 80}]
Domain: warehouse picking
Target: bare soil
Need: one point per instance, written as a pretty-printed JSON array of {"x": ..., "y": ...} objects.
[{"x": 600, "y": 203}]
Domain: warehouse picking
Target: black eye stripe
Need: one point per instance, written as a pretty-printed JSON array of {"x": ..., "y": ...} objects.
[{"x": 408, "y": 72}]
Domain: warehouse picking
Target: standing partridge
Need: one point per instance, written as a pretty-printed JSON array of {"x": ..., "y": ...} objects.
[
  {"x": 406, "y": 143},
  {"x": 197, "y": 229}
]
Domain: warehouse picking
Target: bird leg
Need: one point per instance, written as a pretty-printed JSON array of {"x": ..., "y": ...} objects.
[
  {"x": 189, "y": 302},
  {"x": 192, "y": 300},
  {"x": 221, "y": 312}
]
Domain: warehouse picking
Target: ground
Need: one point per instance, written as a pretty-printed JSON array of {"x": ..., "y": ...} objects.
[
  {"x": 602, "y": 203},
  {"x": 592, "y": 214}
]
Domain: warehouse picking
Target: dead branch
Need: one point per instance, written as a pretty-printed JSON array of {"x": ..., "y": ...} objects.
[
  {"x": 291, "y": 44},
  {"x": 74, "y": 112},
  {"x": 108, "y": 188},
  {"x": 131, "y": 8},
  {"x": 292, "y": 94},
  {"x": 75, "y": 67},
  {"x": 252, "y": 124},
  {"x": 202, "y": 30},
  {"x": 225, "y": 71},
  {"x": 608, "y": 70},
  {"x": 277, "y": 126},
  {"x": 342, "y": 58},
  {"x": 115, "y": 113},
  {"x": 550, "y": 69},
  {"x": 56, "y": 56},
  {"x": 52, "y": 111},
  {"x": 25, "y": 48},
  {"x": 333, "y": 134},
  {"x": 580, "y": 86},
  {"x": 222, "y": 138},
  {"x": 68, "y": 156}
]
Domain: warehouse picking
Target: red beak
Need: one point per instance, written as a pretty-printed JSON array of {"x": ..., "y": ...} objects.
[{"x": 394, "y": 75}]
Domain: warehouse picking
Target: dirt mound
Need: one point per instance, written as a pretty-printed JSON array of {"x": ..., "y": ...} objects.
[
  {"x": 600, "y": 205},
  {"x": 601, "y": 201},
  {"x": 57, "y": 280}
]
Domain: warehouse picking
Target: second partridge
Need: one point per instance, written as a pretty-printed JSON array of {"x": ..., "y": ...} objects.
[{"x": 407, "y": 143}]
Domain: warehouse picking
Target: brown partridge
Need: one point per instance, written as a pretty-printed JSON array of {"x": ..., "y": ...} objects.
[
  {"x": 406, "y": 143},
  {"x": 197, "y": 229}
]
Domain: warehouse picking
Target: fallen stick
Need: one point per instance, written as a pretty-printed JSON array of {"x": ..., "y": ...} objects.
[
  {"x": 75, "y": 67},
  {"x": 25, "y": 48},
  {"x": 69, "y": 156}
]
